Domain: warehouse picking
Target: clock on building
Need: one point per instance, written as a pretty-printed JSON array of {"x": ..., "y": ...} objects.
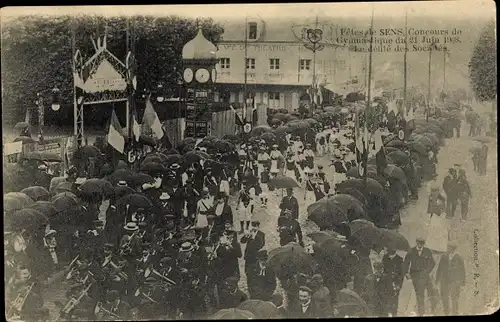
[
  {"x": 202, "y": 75},
  {"x": 188, "y": 75}
]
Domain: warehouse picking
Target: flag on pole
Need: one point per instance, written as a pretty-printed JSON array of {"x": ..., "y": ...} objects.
[
  {"x": 255, "y": 114},
  {"x": 377, "y": 137},
  {"x": 359, "y": 138},
  {"x": 411, "y": 114},
  {"x": 239, "y": 119},
  {"x": 151, "y": 121},
  {"x": 136, "y": 127},
  {"x": 115, "y": 137},
  {"x": 392, "y": 106},
  {"x": 366, "y": 141}
]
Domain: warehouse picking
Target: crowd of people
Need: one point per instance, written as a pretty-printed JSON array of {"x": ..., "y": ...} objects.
[{"x": 162, "y": 237}]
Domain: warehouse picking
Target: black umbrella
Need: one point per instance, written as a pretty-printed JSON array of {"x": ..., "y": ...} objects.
[
  {"x": 151, "y": 159},
  {"x": 258, "y": 130},
  {"x": 63, "y": 187},
  {"x": 45, "y": 207},
  {"x": 352, "y": 206},
  {"x": 84, "y": 152},
  {"x": 283, "y": 182},
  {"x": 269, "y": 137},
  {"x": 290, "y": 260},
  {"x": 356, "y": 194},
  {"x": 326, "y": 214},
  {"x": 64, "y": 201},
  {"x": 138, "y": 179},
  {"x": 365, "y": 233},
  {"x": 152, "y": 168},
  {"x": 27, "y": 218},
  {"x": 399, "y": 158},
  {"x": 185, "y": 142},
  {"x": 191, "y": 157},
  {"x": 135, "y": 200},
  {"x": 354, "y": 97},
  {"x": 417, "y": 147},
  {"x": 235, "y": 139},
  {"x": 396, "y": 143},
  {"x": 392, "y": 239},
  {"x": 36, "y": 193},
  {"x": 350, "y": 304},
  {"x": 16, "y": 201},
  {"x": 121, "y": 175},
  {"x": 174, "y": 158},
  {"x": 96, "y": 190},
  {"x": 122, "y": 191},
  {"x": 396, "y": 172}
]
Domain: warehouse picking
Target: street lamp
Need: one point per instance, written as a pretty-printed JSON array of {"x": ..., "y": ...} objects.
[
  {"x": 160, "y": 98},
  {"x": 56, "y": 99},
  {"x": 314, "y": 36}
]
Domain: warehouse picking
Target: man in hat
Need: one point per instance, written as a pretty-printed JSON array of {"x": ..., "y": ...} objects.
[
  {"x": 320, "y": 141},
  {"x": 464, "y": 193},
  {"x": 321, "y": 295},
  {"x": 311, "y": 188},
  {"x": 417, "y": 266},
  {"x": 261, "y": 279},
  {"x": 275, "y": 156},
  {"x": 255, "y": 240},
  {"x": 289, "y": 202},
  {"x": 130, "y": 243},
  {"x": 172, "y": 201},
  {"x": 211, "y": 233},
  {"x": 378, "y": 290},
  {"x": 204, "y": 207},
  {"x": 231, "y": 296},
  {"x": 262, "y": 159},
  {"x": 228, "y": 253},
  {"x": 309, "y": 156},
  {"x": 289, "y": 229},
  {"x": 23, "y": 284},
  {"x": 223, "y": 211},
  {"x": 393, "y": 266},
  {"x": 450, "y": 277},
  {"x": 450, "y": 187}
]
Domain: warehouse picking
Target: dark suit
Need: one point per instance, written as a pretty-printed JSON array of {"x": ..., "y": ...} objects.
[
  {"x": 450, "y": 276},
  {"x": 252, "y": 247},
  {"x": 312, "y": 311},
  {"x": 377, "y": 293},
  {"x": 420, "y": 267},
  {"x": 290, "y": 231},
  {"x": 290, "y": 203},
  {"x": 394, "y": 268},
  {"x": 261, "y": 283}
]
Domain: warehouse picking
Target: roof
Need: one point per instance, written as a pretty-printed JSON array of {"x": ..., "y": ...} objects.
[{"x": 199, "y": 48}]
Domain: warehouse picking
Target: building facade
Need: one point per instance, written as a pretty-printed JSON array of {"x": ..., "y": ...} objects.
[{"x": 279, "y": 68}]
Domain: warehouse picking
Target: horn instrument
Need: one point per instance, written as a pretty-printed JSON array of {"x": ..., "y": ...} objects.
[
  {"x": 72, "y": 303},
  {"x": 98, "y": 308},
  {"x": 19, "y": 301},
  {"x": 149, "y": 270},
  {"x": 139, "y": 292}
]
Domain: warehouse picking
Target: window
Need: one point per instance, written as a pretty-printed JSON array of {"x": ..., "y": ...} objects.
[
  {"x": 225, "y": 63},
  {"x": 274, "y": 63},
  {"x": 250, "y": 63},
  {"x": 274, "y": 99},
  {"x": 305, "y": 64},
  {"x": 252, "y": 30}
]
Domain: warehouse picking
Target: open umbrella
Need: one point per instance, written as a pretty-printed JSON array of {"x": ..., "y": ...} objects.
[
  {"x": 36, "y": 193},
  {"x": 258, "y": 130},
  {"x": 223, "y": 146},
  {"x": 399, "y": 158},
  {"x": 290, "y": 259},
  {"x": 417, "y": 147},
  {"x": 482, "y": 139},
  {"x": 350, "y": 304},
  {"x": 120, "y": 175},
  {"x": 152, "y": 168},
  {"x": 45, "y": 207},
  {"x": 16, "y": 200},
  {"x": 326, "y": 213},
  {"x": 235, "y": 139},
  {"x": 232, "y": 314},
  {"x": 151, "y": 159},
  {"x": 138, "y": 179},
  {"x": 395, "y": 144},
  {"x": 43, "y": 156},
  {"x": 392, "y": 239},
  {"x": 320, "y": 237},
  {"x": 122, "y": 191},
  {"x": 27, "y": 218},
  {"x": 64, "y": 201},
  {"x": 185, "y": 142},
  {"x": 355, "y": 193},
  {"x": 62, "y": 187},
  {"x": 261, "y": 309},
  {"x": 191, "y": 157},
  {"x": 135, "y": 200},
  {"x": 269, "y": 137},
  {"x": 364, "y": 232},
  {"x": 334, "y": 251},
  {"x": 396, "y": 172},
  {"x": 311, "y": 121},
  {"x": 283, "y": 182},
  {"x": 170, "y": 152},
  {"x": 24, "y": 139},
  {"x": 96, "y": 189},
  {"x": 352, "y": 206},
  {"x": 281, "y": 130},
  {"x": 353, "y": 172},
  {"x": 84, "y": 152},
  {"x": 174, "y": 158}
]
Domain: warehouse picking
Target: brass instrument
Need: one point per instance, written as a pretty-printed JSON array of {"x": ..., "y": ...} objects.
[
  {"x": 140, "y": 292},
  {"x": 126, "y": 247},
  {"x": 109, "y": 261},
  {"x": 98, "y": 308},
  {"x": 72, "y": 303},
  {"x": 72, "y": 267},
  {"x": 150, "y": 270},
  {"x": 19, "y": 301}
]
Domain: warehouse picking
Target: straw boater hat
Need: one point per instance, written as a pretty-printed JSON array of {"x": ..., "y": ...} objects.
[
  {"x": 80, "y": 180},
  {"x": 42, "y": 166},
  {"x": 275, "y": 145},
  {"x": 174, "y": 166},
  {"x": 186, "y": 247},
  {"x": 131, "y": 226},
  {"x": 50, "y": 233},
  {"x": 122, "y": 183},
  {"x": 164, "y": 196}
]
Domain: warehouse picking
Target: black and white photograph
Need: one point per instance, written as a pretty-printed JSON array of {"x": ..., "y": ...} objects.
[{"x": 250, "y": 161}]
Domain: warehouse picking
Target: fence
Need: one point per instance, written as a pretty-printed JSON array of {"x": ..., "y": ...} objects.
[{"x": 223, "y": 123}]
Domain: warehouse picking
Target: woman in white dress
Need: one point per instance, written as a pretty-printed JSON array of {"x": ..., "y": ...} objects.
[{"x": 438, "y": 228}]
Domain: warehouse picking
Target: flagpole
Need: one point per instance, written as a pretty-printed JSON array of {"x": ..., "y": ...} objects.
[
  {"x": 368, "y": 101},
  {"x": 245, "y": 116},
  {"x": 129, "y": 118},
  {"x": 404, "y": 62},
  {"x": 73, "y": 66}
]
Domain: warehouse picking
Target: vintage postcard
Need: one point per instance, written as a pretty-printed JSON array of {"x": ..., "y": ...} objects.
[{"x": 250, "y": 161}]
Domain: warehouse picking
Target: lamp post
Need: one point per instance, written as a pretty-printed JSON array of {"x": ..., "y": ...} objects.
[
  {"x": 39, "y": 103},
  {"x": 314, "y": 35}
]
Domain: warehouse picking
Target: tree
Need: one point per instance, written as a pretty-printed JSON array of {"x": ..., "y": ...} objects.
[
  {"x": 37, "y": 54},
  {"x": 482, "y": 66}
]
